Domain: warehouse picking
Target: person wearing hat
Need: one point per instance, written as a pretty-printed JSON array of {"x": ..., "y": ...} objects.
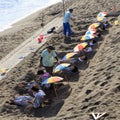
[
  {"x": 47, "y": 59},
  {"x": 66, "y": 24}
]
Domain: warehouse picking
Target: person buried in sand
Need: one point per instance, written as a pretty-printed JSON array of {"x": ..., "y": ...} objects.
[
  {"x": 47, "y": 59},
  {"x": 24, "y": 86}
]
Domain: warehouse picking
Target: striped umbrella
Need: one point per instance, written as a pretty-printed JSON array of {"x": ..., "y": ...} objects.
[
  {"x": 60, "y": 67},
  {"x": 102, "y": 14},
  {"x": 94, "y": 26},
  {"x": 80, "y": 46},
  {"x": 52, "y": 80},
  {"x": 87, "y": 37},
  {"x": 89, "y": 32},
  {"x": 69, "y": 55}
]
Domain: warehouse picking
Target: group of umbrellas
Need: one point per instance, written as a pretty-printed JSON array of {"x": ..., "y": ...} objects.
[
  {"x": 88, "y": 36},
  {"x": 62, "y": 66},
  {"x": 101, "y": 16}
]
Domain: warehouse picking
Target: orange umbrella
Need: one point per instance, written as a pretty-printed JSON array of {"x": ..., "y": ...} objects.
[
  {"x": 80, "y": 46},
  {"x": 94, "y": 26},
  {"x": 69, "y": 55}
]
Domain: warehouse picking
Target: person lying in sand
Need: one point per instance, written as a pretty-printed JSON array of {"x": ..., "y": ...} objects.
[
  {"x": 103, "y": 26},
  {"x": 81, "y": 58},
  {"x": 93, "y": 42},
  {"x": 87, "y": 49},
  {"x": 28, "y": 86},
  {"x": 21, "y": 100},
  {"x": 66, "y": 72},
  {"x": 71, "y": 69}
]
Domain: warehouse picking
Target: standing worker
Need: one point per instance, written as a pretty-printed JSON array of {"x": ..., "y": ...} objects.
[
  {"x": 47, "y": 59},
  {"x": 66, "y": 25}
]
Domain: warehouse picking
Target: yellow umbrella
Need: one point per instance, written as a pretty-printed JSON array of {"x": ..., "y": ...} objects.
[
  {"x": 3, "y": 70},
  {"x": 68, "y": 55},
  {"x": 116, "y": 22}
]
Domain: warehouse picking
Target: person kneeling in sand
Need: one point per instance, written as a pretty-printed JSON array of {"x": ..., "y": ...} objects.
[
  {"x": 39, "y": 97},
  {"x": 27, "y": 86},
  {"x": 28, "y": 101},
  {"x": 43, "y": 76}
]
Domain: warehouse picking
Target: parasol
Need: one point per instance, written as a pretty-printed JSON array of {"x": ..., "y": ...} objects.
[
  {"x": 94, "y": 26},
  {"x": 69, "y": 55},
  {"x": 52, "y": 80},
  {"x": 61, "y": 67},
  {"x": 80, "y": 46},
  {"x": 102, "y": 14},
  {"x": 87, "y": 37}
]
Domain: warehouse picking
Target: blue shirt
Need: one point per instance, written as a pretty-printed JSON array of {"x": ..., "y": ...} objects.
[
  {"x": 23, "y": 100},
  {"x": 67, "y": 17}
]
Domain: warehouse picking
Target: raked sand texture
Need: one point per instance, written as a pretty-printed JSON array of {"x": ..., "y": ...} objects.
[{"x": 96, "y": 89}]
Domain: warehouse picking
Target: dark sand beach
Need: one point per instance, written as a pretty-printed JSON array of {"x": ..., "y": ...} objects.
[{"x": 97, "y": 86}]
